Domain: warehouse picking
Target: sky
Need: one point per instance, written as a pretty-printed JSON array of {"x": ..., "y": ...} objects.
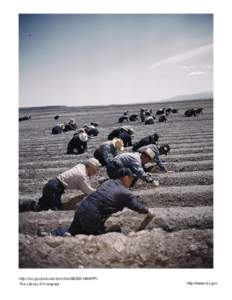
[{"x": 100, "y": 59}]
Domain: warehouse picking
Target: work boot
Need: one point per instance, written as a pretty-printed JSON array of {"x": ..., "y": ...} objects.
[{"x": 28, "y": 205}]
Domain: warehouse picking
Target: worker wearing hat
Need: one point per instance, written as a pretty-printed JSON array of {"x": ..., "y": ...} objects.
[
  {"x": 71, "y": 125},
  {"x": 150, "y": 139},
  {"x": 104, "y": 151},
  {"x": 135, "y": 162},
  {"x": 124, "y": 133},
  {"x": 58, "y": 129},
  {"x": 78, "y": 144},
  {"x": 161, "y": 150},
  {"x": 110, "y": 197},
  {"x": 75, "y": 178},
  {"x": 91, "y": 130}
]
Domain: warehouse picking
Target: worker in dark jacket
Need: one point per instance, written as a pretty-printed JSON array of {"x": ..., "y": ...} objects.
[
  {"x": 149, "y": 120},
  {"x": 163, "y": 149},
  {"x": 142, "y": 114},
  {"x": 91, "y": 130},
  {"x": 134, "y": 162},
  {"x": 112, "y": 196},
  {"x": 151, "y": 139},
  {"x": 124, "y": 133},
  {"x": 78, "y": 144},
  {"x": 71, "y": 125},
  {"x": 104, "y": 151},
  {"x": 58, "y": 129}
]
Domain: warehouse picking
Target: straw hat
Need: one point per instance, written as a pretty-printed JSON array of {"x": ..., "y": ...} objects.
[
  {"x": 118, "y": 144},
  {"x": 83, "y": 137},
  {"x": 128, "y": 129},
  {"x": 93, "y": 162},
  {"x": 149, "y": 153}
]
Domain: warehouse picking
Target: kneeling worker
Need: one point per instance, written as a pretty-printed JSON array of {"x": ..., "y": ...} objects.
[
  {"x": 104, "y": 151},
  {"x": 152, "y": 167},
  {"x": 78, "y": 143},
  {"x": 112, "y": 196},
  {"x": 74, "y": 178},
  {"x": 135, "y": 162}
]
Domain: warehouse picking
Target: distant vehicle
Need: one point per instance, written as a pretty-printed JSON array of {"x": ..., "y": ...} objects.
[{"x": 56, "y": 117}]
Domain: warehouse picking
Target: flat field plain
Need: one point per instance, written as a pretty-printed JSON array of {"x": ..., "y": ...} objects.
[{"x": 180, "y": 235}]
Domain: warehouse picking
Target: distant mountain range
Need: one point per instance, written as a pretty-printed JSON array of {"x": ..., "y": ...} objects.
[{"x": 198, "y": 96}]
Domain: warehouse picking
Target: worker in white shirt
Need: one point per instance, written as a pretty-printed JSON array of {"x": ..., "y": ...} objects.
[{"x": 74, "y": 178}]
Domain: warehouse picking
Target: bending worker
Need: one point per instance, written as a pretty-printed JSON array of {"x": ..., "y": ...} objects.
[
  {"x": 78, "y": 143},
  {"x": 150, "y": 139},
  {"x": 112, "y": 196},
  {"x": 104, "y": 151},
  {"x": 124, "y": 133},
  {"x": 75, "y": 178},
  {"x": 163, "y": 149},
  {"x": 135, "y": 162}
]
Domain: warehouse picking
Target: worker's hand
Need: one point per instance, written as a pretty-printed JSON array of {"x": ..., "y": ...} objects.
[
  {"x": 155, "y": 182},
  {"x": 139, "y": 183},
  {"x": 149, "y": 179}
]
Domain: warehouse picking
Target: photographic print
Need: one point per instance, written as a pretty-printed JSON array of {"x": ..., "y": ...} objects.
[{"x": 116, "y": 141}]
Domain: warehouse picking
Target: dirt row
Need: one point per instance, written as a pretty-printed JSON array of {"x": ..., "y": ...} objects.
[
  {"x": 176, "y": 179},
  {"x": 68, "y": 163},
  {"x": 165, "y": 139},
  {"x": 181, "y": 233},
  {"x": 147, "y": 249},
  {"x": 177, "y": 167},
  {"x": 168, "y": 218},
  {"x": 164, "y": 196}
]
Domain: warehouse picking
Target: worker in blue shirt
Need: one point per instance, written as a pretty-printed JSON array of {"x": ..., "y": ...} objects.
[
  {"x": 112, "y": 196},
  {"x": 109, "y": 149},
  {"x": 163, "y": 149},
  {"x": 135, "y": 162}
]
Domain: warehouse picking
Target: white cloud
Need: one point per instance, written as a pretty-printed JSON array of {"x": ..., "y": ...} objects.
[
  {"x": 183, "y": 56},
  {"x": 196, "y": 73}
]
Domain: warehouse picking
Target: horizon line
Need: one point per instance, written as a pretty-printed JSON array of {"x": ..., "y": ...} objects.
[{"x": 115, "y": 104}]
